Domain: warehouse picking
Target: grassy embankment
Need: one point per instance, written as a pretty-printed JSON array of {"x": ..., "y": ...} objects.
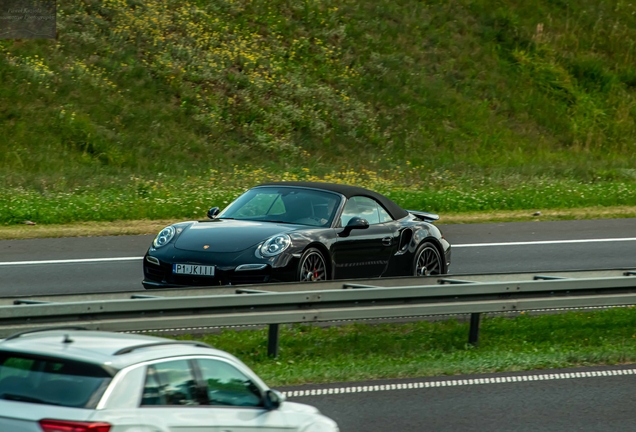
[
  {"x": 359, "y": 352},
  {"x": 158, "y": 110}
]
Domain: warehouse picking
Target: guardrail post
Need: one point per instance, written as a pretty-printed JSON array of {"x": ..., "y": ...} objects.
[
  {"x": 473, "y": 335},
  {"x": 272, "y": 341}
]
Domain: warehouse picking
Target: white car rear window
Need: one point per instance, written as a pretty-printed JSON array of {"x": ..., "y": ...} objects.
[{"x": 51, "y": 381}]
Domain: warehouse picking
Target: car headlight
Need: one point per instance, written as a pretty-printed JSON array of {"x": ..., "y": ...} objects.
[
  {"x": 164, "y": 237},
  {"x": 275, "y": 245}
]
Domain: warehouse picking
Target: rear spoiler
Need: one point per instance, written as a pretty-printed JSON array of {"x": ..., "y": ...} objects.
[{"x": 425, "y": 216}]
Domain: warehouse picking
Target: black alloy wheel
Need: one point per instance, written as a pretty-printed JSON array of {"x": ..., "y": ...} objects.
[
  {"x": 312, "y": 266},
  {"x": 427, "y": 260}
]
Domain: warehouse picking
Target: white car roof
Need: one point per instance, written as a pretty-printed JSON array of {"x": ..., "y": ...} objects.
[{"x": 113, "y": 350}]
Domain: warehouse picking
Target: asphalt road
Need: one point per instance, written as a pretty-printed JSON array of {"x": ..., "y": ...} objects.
[
  {"x": 105, "y": 264},
  {"x": 585, "y": 399},
  {"x": 532, "y": 401}
]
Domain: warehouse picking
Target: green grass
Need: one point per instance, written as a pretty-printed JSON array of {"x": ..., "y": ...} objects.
[
  {"x": 190, "y": 198},
  {"x": 354, "y": 352},
  {"x": 448, "y": 106}
]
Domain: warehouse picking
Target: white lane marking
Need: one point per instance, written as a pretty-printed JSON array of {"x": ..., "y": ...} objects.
[
  {"x": 461, "y": 382},
  {"x": 543, "y": 242},
  {"x": 529, "y": 243},
  {"x": 67, "y": 261}
]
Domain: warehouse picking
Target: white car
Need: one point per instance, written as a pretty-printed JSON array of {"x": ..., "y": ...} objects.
[{"x": 73, "y": 380}]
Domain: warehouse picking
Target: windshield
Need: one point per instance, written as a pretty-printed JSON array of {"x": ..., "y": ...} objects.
[
  {"x": 51, "y": 381},
  {"x": 284, "y": 205}
]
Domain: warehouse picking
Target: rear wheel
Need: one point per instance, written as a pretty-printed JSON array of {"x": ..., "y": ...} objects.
[
  {"x": 427, "y": 260},
  {"x": 312, "y": 266}
]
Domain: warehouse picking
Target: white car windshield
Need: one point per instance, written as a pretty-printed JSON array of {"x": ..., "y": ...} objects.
[{"x": 284, "y": 205}]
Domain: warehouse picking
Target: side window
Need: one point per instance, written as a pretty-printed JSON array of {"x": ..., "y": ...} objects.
[
  {"x": 384, "y": 215},
  {"x": 228, "y": 386},
  {"x": 365, "y": 208},
  {"x": 170, "y": 383}
]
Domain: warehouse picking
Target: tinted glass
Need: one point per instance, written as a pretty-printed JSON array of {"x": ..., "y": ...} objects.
[
  {"x": 365, "y": 208},
  {"x": 286, "y": 205},
  {"x": 384, "y": 215},
  {"x": 227, "y": 385},
  {"x": 51, "y": 381},
  {"x": 261, "y": 205},
  {"x": 170, "y": 383}
]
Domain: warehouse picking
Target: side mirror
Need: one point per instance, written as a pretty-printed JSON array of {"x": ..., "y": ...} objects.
[
  {"x": 273, "y": 399},
  {"x": 354, "y": 223},
  {"x": 213, "y": 212},
  {"x": 357, "y": 223}
]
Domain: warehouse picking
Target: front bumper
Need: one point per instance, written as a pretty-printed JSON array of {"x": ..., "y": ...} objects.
[{"x": 161, "y": 275}]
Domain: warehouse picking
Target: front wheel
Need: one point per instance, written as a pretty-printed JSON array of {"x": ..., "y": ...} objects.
[
  {"x": 312, "y": 266},
  {"x": 427, "y": 260}
]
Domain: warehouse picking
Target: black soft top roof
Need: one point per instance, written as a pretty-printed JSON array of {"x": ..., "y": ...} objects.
[{"x": 394, "y": 210}]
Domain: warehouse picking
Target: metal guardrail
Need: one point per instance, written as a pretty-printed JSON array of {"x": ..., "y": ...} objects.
[
  {"x": 348, "y": 300},
  {"x": 303, "y": 286}
]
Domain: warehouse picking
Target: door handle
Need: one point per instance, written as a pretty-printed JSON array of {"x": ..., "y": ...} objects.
[{"x": 386, "y": 241}]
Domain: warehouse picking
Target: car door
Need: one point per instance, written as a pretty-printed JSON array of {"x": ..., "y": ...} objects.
[
  {"x": 236, "y": 400},
  {"x": 172, "y": 399},
  {"x": 207, "y": 395},
  {"x": 364, "y": 252}
]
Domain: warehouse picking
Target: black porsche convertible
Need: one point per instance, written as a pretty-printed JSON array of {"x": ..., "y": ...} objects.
[{"x": 298, "y": 231}]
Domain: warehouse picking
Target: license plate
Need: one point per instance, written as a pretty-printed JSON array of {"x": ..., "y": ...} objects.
[{"x": 194, "y": 270}]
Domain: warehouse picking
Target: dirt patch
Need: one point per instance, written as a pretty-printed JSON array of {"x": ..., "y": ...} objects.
[
  {"x": 82, "y": 229},
  {"x": 540, "y": 215}
]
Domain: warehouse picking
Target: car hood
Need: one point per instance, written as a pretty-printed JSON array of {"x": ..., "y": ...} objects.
[{"x": 227, "y": 235}]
